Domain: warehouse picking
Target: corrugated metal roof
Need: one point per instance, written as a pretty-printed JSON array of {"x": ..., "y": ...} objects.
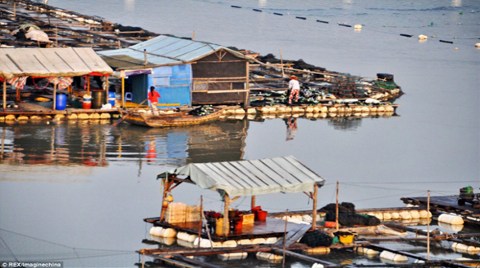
[
  {"x": 161, "y": 50},
  {"x": 50, "y": 62},
  {"x": 251, "y": 177}
]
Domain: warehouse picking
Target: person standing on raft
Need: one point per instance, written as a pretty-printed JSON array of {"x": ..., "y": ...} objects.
[
  {"x": 153, "y": 97},
  {"x": 294, "y": 87}
]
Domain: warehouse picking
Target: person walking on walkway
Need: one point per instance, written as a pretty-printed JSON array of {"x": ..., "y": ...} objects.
[
  {"x": 153, "y": 97},
  {"x": 294, "y": 87}
]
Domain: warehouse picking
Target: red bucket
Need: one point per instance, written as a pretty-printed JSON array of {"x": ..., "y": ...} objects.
[
  {"x": 86, "y": 104},
  {"x": 262, "y": 215}
]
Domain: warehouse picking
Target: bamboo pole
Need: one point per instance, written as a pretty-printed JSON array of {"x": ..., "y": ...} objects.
[
  {"x": 201, "y": 221},
  {"x": 247, "y": 86},
  {"x": 226, "y": 221},
  {"x": 284, "y": 240},
  {"x": 428, "y": 226},
  {"x": 4, "y": 94},
  {"x": 123, "y": 88},
  {"x": 314, "y": 206},
  {"x": 106, "y": 89},
  {"x": 166, "y": 186},
  {"x": 88, "y": 84},
  {"x": 281, "y": 63},
  {"x": 252, "y": 202},
  {"x": 336, "y": 208},
  {"x": 54, "y": 96},
  {"x": 4, "y": 135}
]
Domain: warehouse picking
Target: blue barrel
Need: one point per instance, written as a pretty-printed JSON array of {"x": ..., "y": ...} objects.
[
  {"x": 61, "y": 103},
  {"x": 111, "y": 98}
]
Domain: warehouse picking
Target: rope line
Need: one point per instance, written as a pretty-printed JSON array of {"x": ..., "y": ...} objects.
[{"x": 346, "y": 25}]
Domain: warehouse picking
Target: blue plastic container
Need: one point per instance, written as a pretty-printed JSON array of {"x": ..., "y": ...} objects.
[
  {"x": 111, "y": 98},
  {"x": 61, "y": 103}
]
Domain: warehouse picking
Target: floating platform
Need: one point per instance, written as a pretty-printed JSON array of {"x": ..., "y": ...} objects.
[{"x": 447, "y": 204}]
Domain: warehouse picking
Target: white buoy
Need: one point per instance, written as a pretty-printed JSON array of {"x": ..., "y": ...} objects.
[
  {"x": 271, "y": 240},
  {"x": 414, "y": 214},
  {"x": 203, "y": 243},
  {"x": 357, "y": 26},
  {"x": 450, "y": 219},
  {"x": 424, "y": 214},
  {"x": 318, "y": 265},
  {"x": 233, "y": 256},
  {"x": 405, "y": 215},
  {"x": 422, "y": 37},
  {"x": 477, "y": 45},
  {"x": 169, "y": 233},
  {"x": 244, "y": 242},
  {"x": 387, "y": 255},
  {"x": 307, "y": 218},
  {"x": 229, "y": 244},
  {"x": 395, "y": 215},
  {"x": 156, "y": 231},
  {"x": 450, "y": 228},
  {"x": 257, "y": 241},
  {"x": 270, "y": 257}
]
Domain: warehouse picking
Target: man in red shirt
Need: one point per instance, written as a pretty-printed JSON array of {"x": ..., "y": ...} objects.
[{"x": 153, "y": 97}]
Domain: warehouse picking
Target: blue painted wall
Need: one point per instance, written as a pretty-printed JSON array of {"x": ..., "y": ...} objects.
[{"x": 173, "y": 83}]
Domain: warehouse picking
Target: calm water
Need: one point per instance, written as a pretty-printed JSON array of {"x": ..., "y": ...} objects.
[{"x": 79, "y": 192}]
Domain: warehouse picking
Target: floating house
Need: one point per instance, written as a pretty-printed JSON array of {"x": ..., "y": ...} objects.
[
  {"x": 58, "y": 65},
  {"x": 183, "y": 71}
]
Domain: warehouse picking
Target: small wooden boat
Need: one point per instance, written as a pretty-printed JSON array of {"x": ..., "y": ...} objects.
[{"x": 171, "y": 119}]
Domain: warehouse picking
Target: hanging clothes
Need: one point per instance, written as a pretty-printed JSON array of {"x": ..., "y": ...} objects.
[
  {"x": 18, "y": 82},
  {"x": 61, "y": 82}
]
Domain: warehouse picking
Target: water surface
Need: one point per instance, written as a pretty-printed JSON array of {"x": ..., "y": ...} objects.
[{"x": 79, "y": 192}]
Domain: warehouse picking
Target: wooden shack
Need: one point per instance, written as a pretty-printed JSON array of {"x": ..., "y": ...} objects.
[{"x": 183, "y": 71}]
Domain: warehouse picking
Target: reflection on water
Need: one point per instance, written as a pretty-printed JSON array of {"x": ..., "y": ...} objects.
[
  {"x": 292, "y": 127},
  {"x": 98, "y": 144},
  {"x": 95, "y": 144}
]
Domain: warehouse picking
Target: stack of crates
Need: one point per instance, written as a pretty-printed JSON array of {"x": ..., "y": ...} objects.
[{"x": 181, "y": 213}]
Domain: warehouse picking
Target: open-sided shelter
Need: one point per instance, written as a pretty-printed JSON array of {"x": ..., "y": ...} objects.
[
  {"x": 246, "y": 178},
  {"x": 183, "y": 71},
  {"x": 57, "y": 64}
]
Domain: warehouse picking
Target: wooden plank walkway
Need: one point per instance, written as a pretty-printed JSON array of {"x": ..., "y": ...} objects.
[{"x": 293, "y": 235}]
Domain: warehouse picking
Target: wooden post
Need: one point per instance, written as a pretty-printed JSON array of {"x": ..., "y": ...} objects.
[
  {"x": 4, "y": 94},
  {"x": 106, "y": 90},
  {"x": 428, "y": 226},
  {"x": 336, "y": 208},
  {"x": 54, "y": 96},
  {"x": 122, "y": 74},
  {"x": 252, "y": 202},
  {"x": 145, "y": 61},
  {"x": 314, "y": 208},
  {"x": 226, "y": 221},
  {"x": 284, "y": 238},
  {"x": 201, "y": 221},
  {"x": 247, "y": 87},
  {"x": 166, "y": 188},
  {"x": 281, "y": 63},
  {"x": 56, "y": 36},
  {"x": 88, "y": 84}
]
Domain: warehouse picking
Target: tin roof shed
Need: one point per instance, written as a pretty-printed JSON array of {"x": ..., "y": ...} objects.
[
  {"x": 246, "y": 177},
  {"x": 46, "y": 62},
  {"x": 162, "y": 50}
]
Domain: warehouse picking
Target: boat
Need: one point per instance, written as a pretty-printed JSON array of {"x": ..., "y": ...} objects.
[{"x": 173, "y": 118}]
